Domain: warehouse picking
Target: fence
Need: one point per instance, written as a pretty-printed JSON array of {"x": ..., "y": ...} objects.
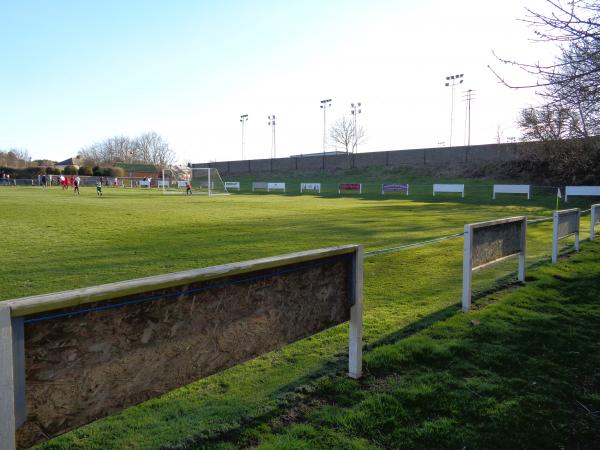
[
  {"x": 150, "y": 335},
  {"x": 90, "y": 181}
]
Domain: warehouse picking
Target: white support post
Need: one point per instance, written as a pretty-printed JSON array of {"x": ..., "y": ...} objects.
[
  {"x": 555, "y": 219},
  {"x": 355, "y": 331},
  {"x": 163, "y": 181},
  {"x": 522, "y": 255},
  {"x": 593, "y": 222},
  {"x": 7, "y": 382},
  {"x": 360, "y": 188},
  {"x": 578, "y": 227},
  {"x": 209, "y": 190},
  {"x": 467, "y": 268}
]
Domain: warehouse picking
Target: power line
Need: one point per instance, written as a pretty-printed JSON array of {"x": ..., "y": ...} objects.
[{"x": 453, "y": 80}]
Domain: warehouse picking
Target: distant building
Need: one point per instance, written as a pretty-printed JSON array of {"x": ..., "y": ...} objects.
[{"x": 75, "y": 162}]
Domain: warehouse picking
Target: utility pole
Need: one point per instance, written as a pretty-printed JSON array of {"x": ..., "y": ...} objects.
[
  {"x": 324, "y": 105},
  {"x": 468, "y": 96},
  {"x": 355, "y": 111},
  {"x": 453, "y": 80},
  {"x": 272, "y": 125},
  {"x": 243, "y": 119}
]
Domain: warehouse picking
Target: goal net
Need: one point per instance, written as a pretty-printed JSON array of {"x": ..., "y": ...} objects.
[{"x": 205, "y": 180}]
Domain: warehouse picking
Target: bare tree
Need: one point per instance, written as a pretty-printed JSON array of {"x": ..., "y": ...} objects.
[
  {"x": 570, "y": 85},
  {"x": 547, "y": 123},
  {"x": 152, "y": 148},
  {"x": 16, "y": 158},
  {"x": 149, "y": 148},
  {"x": 342, "y": 133}
]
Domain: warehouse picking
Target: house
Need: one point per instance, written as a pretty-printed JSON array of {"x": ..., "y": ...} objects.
[{"x": 76, "y": 162}]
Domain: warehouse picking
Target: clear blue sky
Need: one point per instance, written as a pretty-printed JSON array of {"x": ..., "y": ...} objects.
[{"x": 75, "y": 72}]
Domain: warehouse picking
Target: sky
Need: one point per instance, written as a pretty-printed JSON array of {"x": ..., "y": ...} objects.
[{"x": 76, "y": 72}]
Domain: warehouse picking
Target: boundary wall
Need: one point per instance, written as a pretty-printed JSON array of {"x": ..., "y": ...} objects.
[{"x": 471, "y": 155}]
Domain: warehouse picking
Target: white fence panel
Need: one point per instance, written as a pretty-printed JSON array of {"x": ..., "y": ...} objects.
[
  {"x": 565, "y": 223},
  {"x": 594, "y": 219},
  {"x": 487, "y": 243}
]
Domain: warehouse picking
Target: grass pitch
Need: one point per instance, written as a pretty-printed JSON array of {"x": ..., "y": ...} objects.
[{"x": 53, "y": 240}]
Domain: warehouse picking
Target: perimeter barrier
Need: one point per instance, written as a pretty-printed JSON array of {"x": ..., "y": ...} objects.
[{"x": 116, "y": 345}]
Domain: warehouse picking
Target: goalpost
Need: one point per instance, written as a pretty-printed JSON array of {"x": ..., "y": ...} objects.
[{"x": 204, "y": 180}]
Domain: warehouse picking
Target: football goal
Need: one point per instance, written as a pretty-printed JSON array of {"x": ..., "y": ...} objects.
[{"x": 203, "y": 180}]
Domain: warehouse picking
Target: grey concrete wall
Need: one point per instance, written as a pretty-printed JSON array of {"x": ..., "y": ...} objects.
[
  {"x": 371, "y": 159},
  {"x": 475, "y": 154},
  {"x": 311, "y": 164},
  {"x": 260, "y": 165}
]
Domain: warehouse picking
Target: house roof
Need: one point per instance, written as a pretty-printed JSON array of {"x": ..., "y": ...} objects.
[{"x": 70, "y": 162}]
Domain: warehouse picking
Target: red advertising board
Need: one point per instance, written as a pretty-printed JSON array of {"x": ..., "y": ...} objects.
[{"x": 349, "y": 187}]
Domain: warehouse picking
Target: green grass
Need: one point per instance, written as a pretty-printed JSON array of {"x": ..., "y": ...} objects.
[
  {"x": 521, "y": 372},
  {"x": 54, "y": 241}
]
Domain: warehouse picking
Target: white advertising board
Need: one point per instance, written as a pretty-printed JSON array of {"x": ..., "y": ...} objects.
[
  {"x": 144, "y": 183},
  {"x": 458, "y": 188},
  {"x": 259, "y": 185},
  {"x": 232, "y": 185},
  {"x": 512, "y": 189},
  {"x": 181, "y": 183},
  {"x": 581, "y": 190},
  {"x": 315, "y": 187},
  {"x": 276, "y": 187}
]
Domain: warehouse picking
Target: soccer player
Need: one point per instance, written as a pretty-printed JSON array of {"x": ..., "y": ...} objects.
[
  {"x": 188, "y": 188},
  {"x": 75, "y": 181},
  {"x": 99, "y": 188}
]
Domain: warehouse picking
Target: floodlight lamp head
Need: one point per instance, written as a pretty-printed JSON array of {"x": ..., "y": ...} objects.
[
  {"x": 352, "y": 105},
  {"x": 447, "y": 84},
  {"x": 359, "y": 104}
]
